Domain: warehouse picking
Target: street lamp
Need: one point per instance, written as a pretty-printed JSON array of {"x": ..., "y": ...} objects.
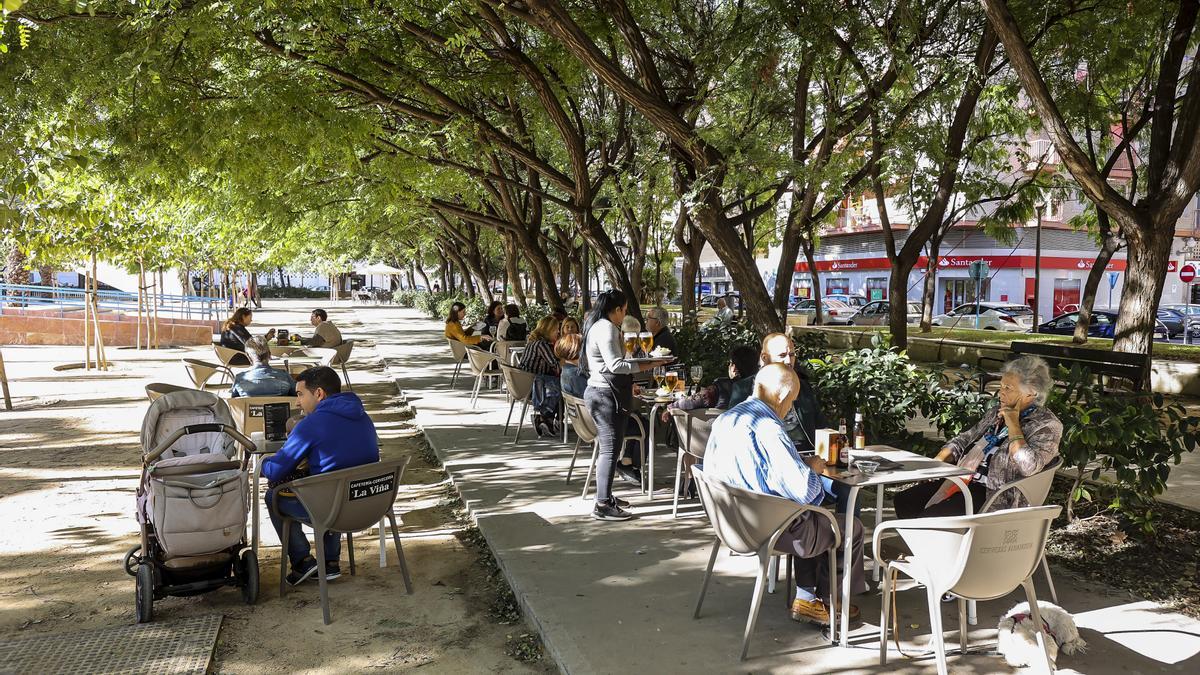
[
  {"x": 625, "y": 251},
  {"x": 1037, "y": 268}
]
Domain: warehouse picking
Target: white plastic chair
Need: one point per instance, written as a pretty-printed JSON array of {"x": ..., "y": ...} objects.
[
  {"x": 458, "y": 351},
  {"x": 480, "y": 361},
  {"x": 582, "y": 411},
  {"x": 1035, "y": 488},
  {"x": 980, "y": 557},
  {"x": 200, "y": 372},
  {"x": 693, "y": 428},
  {"x": 504, "y": 347},
  {"x": 749, "y": 523},
  {"x": 227, "y": 357},
  {"x": 520, "y": 388},
  {"x": 582, "y": 423},
  {"x": 341, "y": 355}
]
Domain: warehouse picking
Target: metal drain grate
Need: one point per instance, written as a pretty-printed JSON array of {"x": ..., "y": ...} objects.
[{"x": 178, "y": 647}]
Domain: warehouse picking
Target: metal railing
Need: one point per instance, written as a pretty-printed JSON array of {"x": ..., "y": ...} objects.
[{"x": 68, "y": 299}]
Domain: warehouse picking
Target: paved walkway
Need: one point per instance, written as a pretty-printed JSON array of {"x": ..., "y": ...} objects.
[{"x": 617, "y": 597}]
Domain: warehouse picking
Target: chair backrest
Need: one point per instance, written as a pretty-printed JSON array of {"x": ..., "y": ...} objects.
[
  {"x": 519, "y": 382},
  {"x": 457, "y": 349},
  {"x": 743, "y": 520},
  {"x": 325, "y": 355},
  {"x": 156, "y": 389},
  {"x": 225, "y": 355},
  {"x": 504, "y": 346},
  {"x": 200, "y": 372},
  {"x": 351, "y": 500},
  {"x": 480, "y": 360},
  {"x": 1035, "y": 488},
  {"x": 581, "y": 418},
  {"x": 983, "y": 556},
  {"x": 693, "y": 428},
  {"x": 248, "y": 411},
  {"x": 341, "y": 353}
]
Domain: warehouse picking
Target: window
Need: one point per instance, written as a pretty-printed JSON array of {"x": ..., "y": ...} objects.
[
  {"x": 877, "y": 288},
  {"x": 837, "y": 286}
]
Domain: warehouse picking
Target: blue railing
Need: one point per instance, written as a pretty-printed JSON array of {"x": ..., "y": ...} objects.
[{"x": 67, "y": 299}]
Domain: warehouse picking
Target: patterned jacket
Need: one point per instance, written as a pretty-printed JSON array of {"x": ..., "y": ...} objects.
[{"x": 1042, "y": 432}]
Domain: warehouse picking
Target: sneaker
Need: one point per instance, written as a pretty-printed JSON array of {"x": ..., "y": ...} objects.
[
  {"x": 332, "y": 570},
  {"x": 544, "y": 430},
  {"x": 610, "y": 510},
  {"x": 621, "y": 502},
  {"x": 302, "y": 572}
]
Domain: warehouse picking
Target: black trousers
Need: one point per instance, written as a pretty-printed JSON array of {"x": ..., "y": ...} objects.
[
  {"x": 910, "y": 503},
  {"x": 610, "y": 423}
]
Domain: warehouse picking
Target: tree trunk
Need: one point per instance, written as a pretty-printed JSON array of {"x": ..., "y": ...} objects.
[
  {"x": 929, "y": 293},
  {"x": 578, "y": 256},
  {"x": 690, "y": 243},
  {"x": 1149, "y": 247},
  {"x": 1108, "y": 247},
  {"x": 810, "y": 255},
  {"x": 726, "y": 241},
  {"x": 902, "y": 266},
  {"x": 512, "y": 271}
]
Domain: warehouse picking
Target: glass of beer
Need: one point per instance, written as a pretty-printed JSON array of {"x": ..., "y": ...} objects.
[
  {"x": 672, "y": 379},
  {"x": 631, "y": 343},
  {"x": 660, "y": 375},
  {"x": 647, "y": 340}
]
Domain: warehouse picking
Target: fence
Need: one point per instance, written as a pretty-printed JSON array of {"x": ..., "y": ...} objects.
[{"x": 64, "y": 300}]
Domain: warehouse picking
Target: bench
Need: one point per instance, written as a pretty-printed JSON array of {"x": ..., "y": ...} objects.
[{"x": 1134, "y": 368}]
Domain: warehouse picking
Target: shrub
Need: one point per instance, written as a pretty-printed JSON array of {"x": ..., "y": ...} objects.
[
  {"x": 535, "y": 312},
  {"x": 1132, "y": 437},
  {"x": 406, "y": 297},
  {"x": 880, "y": 382},
  {"x": 709, "y": 346},
  {"x": 955, "y": 408}
]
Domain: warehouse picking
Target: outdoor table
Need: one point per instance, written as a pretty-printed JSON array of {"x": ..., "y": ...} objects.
[
  {"x": 278, "y": 350},
  {"x": 263, "y": 447},
  {"x": 656, "y": 404},
  {"x": 913, "y": 468}
]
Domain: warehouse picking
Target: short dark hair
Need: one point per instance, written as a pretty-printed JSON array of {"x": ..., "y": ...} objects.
[
  {"x": 321, "y": 314},
  {"x": 745, "y": 359},
  {"x": 512, "y": 311},
  {"x": 321, "y": 377}
]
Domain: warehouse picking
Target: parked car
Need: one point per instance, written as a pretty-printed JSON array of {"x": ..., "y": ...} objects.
[
  {"x": 1101, "y": 325},
  {"x": 876, "y": 314},
  {"x": 836, "y": 312},
  {"x": 1161, "y": 334},
  {"x": 992, "y": 316},
  {"x": 732, "y": 298},
  {"x": 1173, "y": 319},
  {"x": 855, "y": 301},
  {"x": 1193, "y": 317}
]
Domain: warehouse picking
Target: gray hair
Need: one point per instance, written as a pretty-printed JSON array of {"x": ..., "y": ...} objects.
[
  {"x": 658, "y": 314},
  {"x": 1034, "y": 374},
  {"x": 257, "y": 350}
]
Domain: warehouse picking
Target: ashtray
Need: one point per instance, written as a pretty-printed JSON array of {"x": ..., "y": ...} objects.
[{"x": 867, "y": 466}]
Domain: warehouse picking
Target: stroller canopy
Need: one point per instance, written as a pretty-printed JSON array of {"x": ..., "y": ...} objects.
[{"x": 178, "y": 409}]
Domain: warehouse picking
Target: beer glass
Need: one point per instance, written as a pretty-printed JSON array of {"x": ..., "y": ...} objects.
[
  {"x": 647, "y": 340},
  {"x": 631, "y": 342}
]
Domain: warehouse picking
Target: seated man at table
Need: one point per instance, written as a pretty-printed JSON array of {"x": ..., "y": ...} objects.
[
  {"x": 335, "y": 433},
  {"x": 749, "y": 448},
  {"x": 326, "y": 334},
  {"x": 1013, "y": 440},
  {"x": 656, "y": 323},
  {"x": 261, "y": 379},
  {"x": 805, "y": 417}
]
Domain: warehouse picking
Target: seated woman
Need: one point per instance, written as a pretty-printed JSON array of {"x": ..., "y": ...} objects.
[
  {"x": 1014, "y": 440},
  {"x": 539, "y": 359},
  {"x": 454, "y": 328},
  {"x": 512, "y": 327},
  {"x": 236, "y": 331},
  {"x": 492, "y": 319},
  {"x": 261, "y": 379},
  {"x": 568, "y": 350},
  {"x": 570, "y": 326}
]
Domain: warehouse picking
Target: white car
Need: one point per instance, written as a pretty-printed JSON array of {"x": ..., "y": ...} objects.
[
  {"x": 855, "y": 301},
  {"x": 835, "y": 311},
  {"x": 992, "y": 316},
  {"x": 876, "y": 314}
]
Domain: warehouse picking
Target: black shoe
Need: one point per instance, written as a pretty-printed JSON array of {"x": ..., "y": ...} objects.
[
  {"x": 305, "y": 570},
  {"x": 610, "y": 510},
  {"x": 544, "y": 430},
  {"x": 629, "y": 473},
  {"x": 620, "y": 502},
  {"x": 332, "y": 570}
]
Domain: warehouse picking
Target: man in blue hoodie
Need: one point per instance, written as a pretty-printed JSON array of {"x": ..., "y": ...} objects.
[{"x": 335, "y": 433}]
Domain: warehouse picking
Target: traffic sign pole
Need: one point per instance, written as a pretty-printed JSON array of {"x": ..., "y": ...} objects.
[{"x": 1187, "y": 274}]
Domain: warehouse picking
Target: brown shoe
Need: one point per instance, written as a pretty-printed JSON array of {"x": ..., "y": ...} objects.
[{"x": 812, "y": 611}]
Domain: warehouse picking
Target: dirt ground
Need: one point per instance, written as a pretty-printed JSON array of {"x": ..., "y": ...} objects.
[{"x": 69, "y": 464}]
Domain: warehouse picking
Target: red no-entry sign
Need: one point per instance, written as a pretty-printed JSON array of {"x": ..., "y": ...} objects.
[{"x": 1187, "y": 273}]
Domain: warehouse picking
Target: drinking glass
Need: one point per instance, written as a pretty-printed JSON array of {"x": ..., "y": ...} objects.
[
  {"x": 672, "y": 378},
  {"x": 647, "y": 340},
  {"x": 660, "y": 374},
  {"x": 631, "y": 340},
  {"x": 697, "y": 373}
]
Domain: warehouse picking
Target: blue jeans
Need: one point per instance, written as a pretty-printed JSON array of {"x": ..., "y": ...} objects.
[
  {"x": 298, "y": 546},
  {"x": 547, "y": 390}
]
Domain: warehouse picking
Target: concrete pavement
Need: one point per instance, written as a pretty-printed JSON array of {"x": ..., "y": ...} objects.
[{"x": 615, "y": 597}]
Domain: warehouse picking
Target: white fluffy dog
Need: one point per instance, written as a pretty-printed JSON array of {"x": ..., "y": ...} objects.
[{"x": 1018, "y": 639}]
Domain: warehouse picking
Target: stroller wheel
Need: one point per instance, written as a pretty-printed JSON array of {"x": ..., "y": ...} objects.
[
  {"x": 132, "y": 560},
  {"x": 247, "y": 575},
  {"x": 144, "y": 594}
]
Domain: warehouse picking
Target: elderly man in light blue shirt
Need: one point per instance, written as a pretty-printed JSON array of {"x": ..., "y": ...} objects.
[
  {"x": 749, "y": 448},
  {"x": 261, "y": 379}
]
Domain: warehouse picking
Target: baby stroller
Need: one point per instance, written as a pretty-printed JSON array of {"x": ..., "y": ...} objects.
[{"x": 191, "y": 503}]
